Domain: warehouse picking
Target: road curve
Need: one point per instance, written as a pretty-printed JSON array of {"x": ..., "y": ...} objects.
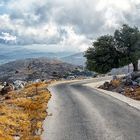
[{"x": 83, "y": 113}]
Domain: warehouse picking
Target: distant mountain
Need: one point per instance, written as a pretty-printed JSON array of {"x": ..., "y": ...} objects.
[
  {"x": 35, "y": 68},
  {"x": 11, "y": 53},
  {"x": 75, "y": 59}
]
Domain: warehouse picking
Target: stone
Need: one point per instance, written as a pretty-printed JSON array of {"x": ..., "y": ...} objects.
[
  {"x": 19, "y": 84},
  {"x": 115, "y": 77},
  {"x": 1, "y": 87},
  {"x": 119, "y": 90},
  {"x": 7, "y": 89},
  {"x": 134, "y": 83},
  {"x": 128, "y": 81},
  {"x": 106, "y": 85},
  {"x": 135, "y": 75},
  {"x": 138, "y": 80},
  {"x": 128, "y": 76}
]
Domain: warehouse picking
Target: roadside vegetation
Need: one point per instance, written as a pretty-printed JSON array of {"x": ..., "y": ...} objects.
[{"x": 22, "y": 112}]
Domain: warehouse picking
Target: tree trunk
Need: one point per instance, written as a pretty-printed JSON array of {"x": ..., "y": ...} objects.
[{"x": 135, "y": 66}]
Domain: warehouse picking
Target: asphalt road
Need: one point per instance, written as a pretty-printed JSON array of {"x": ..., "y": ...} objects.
[{"x": 83, "y": 113}]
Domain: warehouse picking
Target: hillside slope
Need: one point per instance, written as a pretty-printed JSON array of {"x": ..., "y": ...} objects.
[{"x": 35, "y": 68}]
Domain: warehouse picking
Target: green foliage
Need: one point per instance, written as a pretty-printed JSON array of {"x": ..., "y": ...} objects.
[
  {"x": 114, "y": 51},
  {"x": 128, "y": 42},
  {"x": 101, "y": 58}
]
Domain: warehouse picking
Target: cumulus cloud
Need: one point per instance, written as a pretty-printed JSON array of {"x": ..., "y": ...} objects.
[
  {"x": 63, "y": 25},
  {"x": 6, "y": 38}
]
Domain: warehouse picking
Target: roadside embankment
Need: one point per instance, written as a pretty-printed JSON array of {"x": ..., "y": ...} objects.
[
  {"x": 129, "y": 101},
  {"x": 22, "y": 112}
]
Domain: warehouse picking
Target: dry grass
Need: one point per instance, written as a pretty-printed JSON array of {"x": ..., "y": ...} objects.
[
  {"x": 133, "y": 93},
  {"x": 115, "y": 83},
  {"x": 23, "y": 113}
]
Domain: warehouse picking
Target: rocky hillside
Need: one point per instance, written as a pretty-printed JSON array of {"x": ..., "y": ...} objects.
[{"x": 31, "y": 69}]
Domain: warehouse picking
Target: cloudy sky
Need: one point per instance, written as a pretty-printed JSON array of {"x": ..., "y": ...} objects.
[{"x": 62, "y": 25}]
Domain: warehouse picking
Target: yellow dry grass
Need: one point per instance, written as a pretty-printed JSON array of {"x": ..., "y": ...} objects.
[
  {"x": 133, "y": 93},
  {"x": 23, "y": 113},
  {"x": 115, "y": 82}
]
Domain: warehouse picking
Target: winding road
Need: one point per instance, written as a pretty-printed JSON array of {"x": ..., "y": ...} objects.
[{"x": 83, "y": 113}]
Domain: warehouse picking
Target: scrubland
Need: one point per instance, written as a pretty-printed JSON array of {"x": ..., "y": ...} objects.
[{"x": 22, "y": 112}]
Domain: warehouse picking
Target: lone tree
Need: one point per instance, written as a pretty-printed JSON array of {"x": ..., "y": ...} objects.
[
  {"x": 103, "y": 56},
  {"x": 115, "y": 51},
  {"x": 128, "y": 43}
]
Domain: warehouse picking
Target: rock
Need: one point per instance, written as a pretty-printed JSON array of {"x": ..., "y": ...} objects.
[
  {"x": 7, "y": 89},
  {"x": 128, "y": 80},
  {"x": 37, "y": 81},
  {"x": 5, "y": 83},
  {"x": 16, "y": 137},
  {"x": 119, "y": 90},
  {"x": 102, "y": 87},
  {"x": 123, "y": 80},
  {"x": 38, "y": 131},
  {"x": 131, "y": 89},
  {"x": 129, "y": 76},
  {"x": 115, "y": 77},
  {"x": 16, "y": 72},
  {"x": 1, "y": 87},
  {"x": 106, "y": 85},
  {"x": 135, "y": 75},
  {"x": 138, "y": 81},
  {"x": 19, "y": 84},
  {"x": 7, "y": 97},
  {"x": 134, "y": 83}
]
